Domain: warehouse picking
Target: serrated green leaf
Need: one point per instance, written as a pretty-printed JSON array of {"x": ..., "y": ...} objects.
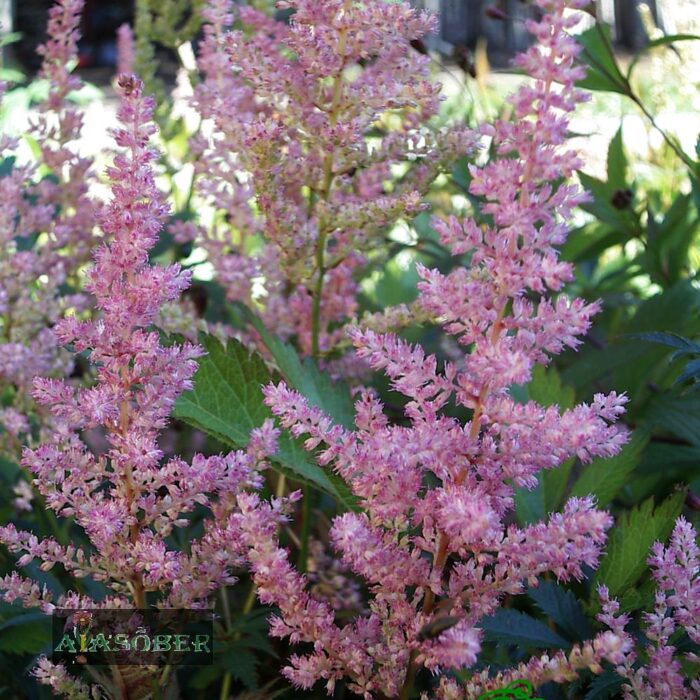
[
  {"x": 243, "y": 665},
  {"x": 605, "y": 686},
  {"x": 678, "y": 414},
  {"x": 603, "y": 72},
  {"x": 546, "y": 388},
  {"x": 641, "y": 597},
  {"x": 605, "y": 478},
  {"x": 564, "y": 609},
  {"x": 632, "y": 538},
  {"x": 227, "y": 403},
  {"x": 617, "y": 162},
  {"x": 333, "y": 398},
  {"x": 510, "y": 626}
]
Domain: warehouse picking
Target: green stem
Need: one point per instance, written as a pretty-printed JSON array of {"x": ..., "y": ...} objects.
[
  {"x": 318, "y": 291},
  {"x": 410, "y": 677},
  {"x": 626, "y": 87},
  {"x": 226, "y": 686},
  {"x": 674, "y": 146},
  {"x": 333, "y": 114},
  {"x": 305, "y": 529}
]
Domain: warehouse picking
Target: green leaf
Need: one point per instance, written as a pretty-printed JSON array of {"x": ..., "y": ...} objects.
[
  {"x": 242, "y": 663},
  {"x": 27, "y": 636},
  {"x": 617, "y": 162},
  {"x": 605, "y": 686},
  {"x": 6, "y": 165},
  {"x": 641, "y": 597},
  {"x": 635, "y": 364},
  {"x": 22, "y": 620},
  {"x": 546, "y": 389},
  {"x": 605, "y": 478},
  {"x": 603, "y": 72},
  {"x": 602, "y": 207},
  {"x": 690, "y": 371},
  {"x": 10, "y": 38},
  {"x": 668, "y": 241},
  {"x": 9, "y": 471},
  {"x": 564, "y": 609},
  {"x": 661, "y": 41},
  {"x": 679, "y": 415},
  {"x": 510, "y": 626},
  {"x": 632, "y": 538},
  {"x": 204, "y": 677},
  {"x": 531, "y": 506},
  {"x": 333, "y": 398},
  {"x": 672, "y": 340},
  {"x": 227, "y": 403}
]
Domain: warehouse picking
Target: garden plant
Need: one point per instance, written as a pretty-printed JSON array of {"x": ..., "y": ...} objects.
[{"x": 403, "y": 401}]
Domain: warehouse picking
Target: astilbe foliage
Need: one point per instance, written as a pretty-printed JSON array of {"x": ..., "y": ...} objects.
[
  {"x": 434, "y": 539},
  {"x": 302, "y": 190},
  {"x": 126, "y": 498}
]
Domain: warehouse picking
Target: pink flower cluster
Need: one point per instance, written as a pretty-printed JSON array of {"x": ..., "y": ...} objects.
[
  {"x": 448, "y": 549},
  {"x": 304, "y": 128},
  {"x": 288, "y": 162},
  {"x": 126, "y": 499},
  {"x": 46, "y": 223},
  {"x": 676, "y": 571}
]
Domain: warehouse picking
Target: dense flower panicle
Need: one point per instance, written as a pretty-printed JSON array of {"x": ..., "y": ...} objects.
[
  {"x": 125, "y": 49},
  {"x": 288, "y": 161},
  {"x": 676, "y": 571},
  {"x": 449, "y": 550},
  {"x": 58, "y": 127},
  {"x": 126, "y": 498},
  {"x": 46, "y": 226}
]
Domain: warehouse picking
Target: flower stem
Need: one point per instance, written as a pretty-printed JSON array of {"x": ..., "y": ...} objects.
[{"x": 333, "y": 114}]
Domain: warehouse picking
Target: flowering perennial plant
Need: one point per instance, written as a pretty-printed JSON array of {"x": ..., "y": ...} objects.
[
  {"x": 676, "y": 572},
  {"x": 46, "y": 221},
  {"x": 126, "y": 499},
  {"x": 315, "y": 138},
  {"x": 447, "y": 551},
  {"x": 292, "y": 108}
]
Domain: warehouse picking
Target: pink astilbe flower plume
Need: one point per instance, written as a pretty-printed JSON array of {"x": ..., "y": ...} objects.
[
  {"x": 435, "y": 538},
  {"x": 127, "y": 499},
  {"x": 676, "y": 571},
  {"x": 46, "y": 230},
  {"x": 302, "y": 190}
]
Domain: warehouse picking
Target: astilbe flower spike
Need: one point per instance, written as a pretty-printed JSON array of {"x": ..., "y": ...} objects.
[
  {"x": 30, "y": 275},
  {"x": 448, "y": 550},
  {"x": 676, "y": 571},
  {"x": 288, "y": 161},
  {"x": 126, "y": 498},
  {"x": 46, "y": 229}
]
